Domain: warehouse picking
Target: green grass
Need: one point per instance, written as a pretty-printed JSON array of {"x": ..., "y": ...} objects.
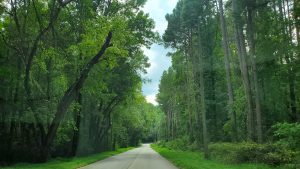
[
  {"x": 195, "y": 160},
  {"x": 68, "y": 163}
]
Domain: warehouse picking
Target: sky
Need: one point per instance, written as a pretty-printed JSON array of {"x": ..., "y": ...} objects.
[{"x": 158, "y": 59}]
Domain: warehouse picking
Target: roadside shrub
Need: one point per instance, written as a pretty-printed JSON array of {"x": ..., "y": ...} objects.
[
  {"x": 224, "y": 152},
  {"x": 251, "y": 153},
  {"x": 194, "y": 146},
  {"x": 176, "y": 144},
  {"x": 287, "y": 135},
  {"x": 161, "y": 143}
]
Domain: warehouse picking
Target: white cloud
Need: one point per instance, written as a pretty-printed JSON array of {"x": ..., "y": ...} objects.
[
  {"x": 151, "y": 55},
  {"x": 159, "y": 63},
  {"x": 157, "y": 10},
  {"x": 152, "y": 99}
]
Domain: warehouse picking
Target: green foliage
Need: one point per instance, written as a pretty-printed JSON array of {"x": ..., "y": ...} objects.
[
  {"x": 251, "y": 153},
  {"x": 44, "y": 48},
  {"x": 195, "y": 160},
  {"x": 137, "y": 121},
  {"x": 261, "y": 78},
  {"x": 182, "y": 144},
  {"x": 287, "y": 135},
  {"x": 176, "y": 144}
]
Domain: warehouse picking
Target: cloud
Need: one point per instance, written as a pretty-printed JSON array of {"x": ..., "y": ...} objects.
[
  {"x": 159, "y": 63},
  {"x": 158, "y": 59},
  {"x": 151, "y": 55},
  {"x": 152, "y": 99},
  {"x": 158, "y": 10}
]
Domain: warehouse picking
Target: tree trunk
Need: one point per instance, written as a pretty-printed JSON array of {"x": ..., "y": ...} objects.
[
  {"x": 69, "y": 97},
  {"x": 228, "y": 71},
  {"x": 297, "y": 19},
  {"x": 189, "y": 100},
  {"x": 203, "y": 110},
  {"x": 291, "y": 74},
  {"x": 107, "y": 114},
  {"x": 240, "y": 41},
  {"x": 251, "y": 41},
  {"x": 32, "y": 50},
  {"x": 77, "y": 118},
  {"x": 202, "y": 54}
]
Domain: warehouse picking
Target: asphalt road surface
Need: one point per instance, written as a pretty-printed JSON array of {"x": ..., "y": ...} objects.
[{"x": 140, "y": 158}]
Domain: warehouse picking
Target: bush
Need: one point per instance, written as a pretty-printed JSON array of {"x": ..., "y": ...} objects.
[
  {"x": 194, "y": 146},
  {"x": 288, "y": 135},
  {"x": 251, "y": 152},
  {"x": 177, "y": 144}
]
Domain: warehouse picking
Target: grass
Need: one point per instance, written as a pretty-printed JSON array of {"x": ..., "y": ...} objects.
[
  {"x": 195, "y": 160},
  {"x": 68, "y": 163}
]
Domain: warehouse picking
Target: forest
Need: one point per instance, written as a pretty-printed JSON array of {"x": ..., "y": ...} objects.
[
  {"x": 70, "y": 77},
  {"x": 235, "y": 78},
  {"x": 71, "y": 80}
]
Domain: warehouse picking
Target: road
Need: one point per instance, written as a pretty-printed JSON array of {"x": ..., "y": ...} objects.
[{"x": 143, "y": 157}]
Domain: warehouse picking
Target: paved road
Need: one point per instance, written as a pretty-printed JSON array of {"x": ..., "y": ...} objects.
[{"x": 140, "y": 158}]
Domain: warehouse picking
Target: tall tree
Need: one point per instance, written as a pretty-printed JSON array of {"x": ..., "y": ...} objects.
[
  {"x": 251, "y": 4},
  {"x": 241, "y": 46},
  {"x": 228, "y": 70}
]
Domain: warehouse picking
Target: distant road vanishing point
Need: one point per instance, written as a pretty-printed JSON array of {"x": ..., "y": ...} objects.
[{"x": 139, "y": 158}]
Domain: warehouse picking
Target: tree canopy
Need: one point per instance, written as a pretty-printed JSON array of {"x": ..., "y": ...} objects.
[
  {"x": 71, "y": 77},
  {"x": 234, "y": 73}
]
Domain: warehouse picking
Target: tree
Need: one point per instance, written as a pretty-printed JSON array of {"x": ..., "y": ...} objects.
[
  {"x": 240, "y": 43},
  {"x": 257, "y": 41},
  {"x": 228, "y": 70},
  {"x": 52, "y": 47}
]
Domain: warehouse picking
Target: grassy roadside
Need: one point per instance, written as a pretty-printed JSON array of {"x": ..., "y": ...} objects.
[
  {"x": 195, "y": 160},
  {"x": 68, "y": 163}
]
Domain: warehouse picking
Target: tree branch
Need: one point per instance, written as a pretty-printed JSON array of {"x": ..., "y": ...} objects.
[
  {"x": 37, "y": 15},
  {"x": 68, "y": 97}
]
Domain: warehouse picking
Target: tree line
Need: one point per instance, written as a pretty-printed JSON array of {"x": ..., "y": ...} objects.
[
  {"x": 235, "y": 70},
  {"x": 70, "y": 77}
]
